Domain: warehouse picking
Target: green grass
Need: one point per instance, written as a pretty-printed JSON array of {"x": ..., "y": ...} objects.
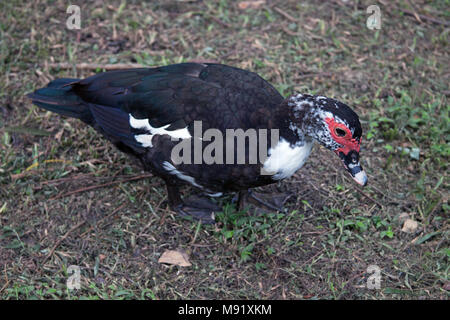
[{"x": 395, "y": 78}]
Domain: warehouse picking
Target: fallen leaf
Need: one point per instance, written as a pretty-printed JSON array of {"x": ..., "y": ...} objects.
[
  {"x": 177, "y": 257},
  {"x": 251, "y": 4},
  {"x": 410, "y": 226}
]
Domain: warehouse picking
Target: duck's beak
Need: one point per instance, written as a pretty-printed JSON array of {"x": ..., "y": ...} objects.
[{"x": 351, "y": 163}]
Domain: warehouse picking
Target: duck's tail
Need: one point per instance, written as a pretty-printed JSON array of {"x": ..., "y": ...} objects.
[{"x": 60, "y": 97}]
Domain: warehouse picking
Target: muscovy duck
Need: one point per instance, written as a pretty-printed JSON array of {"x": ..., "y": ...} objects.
[{"x": 148, "y": 112}]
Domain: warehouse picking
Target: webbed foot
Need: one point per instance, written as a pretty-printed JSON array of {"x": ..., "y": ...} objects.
[
  {"x": 199, "y": 209},
  {"x": 265, "y": 202}
]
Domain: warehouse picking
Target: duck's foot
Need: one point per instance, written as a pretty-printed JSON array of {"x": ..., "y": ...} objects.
[
  {"x": 265, "y": 202},
  {"x": 199, "y": 209},
  {"x": 196, "y": 207}
]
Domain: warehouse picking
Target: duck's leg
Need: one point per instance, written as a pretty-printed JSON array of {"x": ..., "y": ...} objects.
[
  {"x": 173, "y": 195},
  {"x": 265, "y": 201},
  {"x": 198, "y": 208}
]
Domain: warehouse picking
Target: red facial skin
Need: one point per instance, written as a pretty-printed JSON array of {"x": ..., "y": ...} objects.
[{"x": 347, "y": 142}]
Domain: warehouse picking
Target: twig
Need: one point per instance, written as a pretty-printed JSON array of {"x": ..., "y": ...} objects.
[
  {"x": 93, "y": 66},
  {"x": 101, "y": 186},
  {"x": 104, "y": 218},
  {"x": 289, "y": 32},
  {"x": 369, "y": 197},
  {"x": 311, "y": 259},
  {"x": 62, "y": 239},
  {"x": 285, "y": 14},
  {"x": 76, "y": 177},
  {"x": 223, "y": 23},
  {"x": 414, "y": 12},
  {"x": 385, "y": 195},
  {"x": 420, "y": 17}
]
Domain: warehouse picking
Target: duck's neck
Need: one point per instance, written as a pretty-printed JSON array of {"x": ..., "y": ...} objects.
[
  {"x": 294, "y": 124},
  {"x": 294, "y": 145}
]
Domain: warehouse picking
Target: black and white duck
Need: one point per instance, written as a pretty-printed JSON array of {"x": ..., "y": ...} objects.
[{"x": 150, "y": 112}]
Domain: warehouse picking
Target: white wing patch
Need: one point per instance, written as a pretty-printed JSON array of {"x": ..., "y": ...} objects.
[
  {"x": 285, "y": 160},
  {"x": 146, "y": 139}
]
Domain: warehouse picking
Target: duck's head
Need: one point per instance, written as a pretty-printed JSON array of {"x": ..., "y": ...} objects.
[{"x": 333, "y": 124}]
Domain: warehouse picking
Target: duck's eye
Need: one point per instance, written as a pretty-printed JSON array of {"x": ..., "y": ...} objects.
[{"x": 340, "y": 132}]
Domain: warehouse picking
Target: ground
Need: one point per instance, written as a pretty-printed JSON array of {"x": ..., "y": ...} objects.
[{"x": 68, "y": 197}]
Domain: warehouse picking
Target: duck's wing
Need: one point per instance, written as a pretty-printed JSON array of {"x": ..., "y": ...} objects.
[
  {"x": 174, "y": 96},
  {"x": 130, "y": 106}
]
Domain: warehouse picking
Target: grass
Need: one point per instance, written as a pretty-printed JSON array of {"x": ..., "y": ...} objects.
[{"x": 396, "y": 78}]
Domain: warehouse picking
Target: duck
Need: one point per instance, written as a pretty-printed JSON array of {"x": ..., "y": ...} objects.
[{"x": 217, "y": 128}]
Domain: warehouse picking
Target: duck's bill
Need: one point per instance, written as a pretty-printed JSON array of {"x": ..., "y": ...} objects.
[
  {"x": 358, "y": 174},
  {"x": 351, "y": 163}
]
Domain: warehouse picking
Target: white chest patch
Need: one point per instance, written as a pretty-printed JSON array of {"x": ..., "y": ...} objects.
[
  {"x": 146, "y": 139},
  {"x": 285, "y": 160}
]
